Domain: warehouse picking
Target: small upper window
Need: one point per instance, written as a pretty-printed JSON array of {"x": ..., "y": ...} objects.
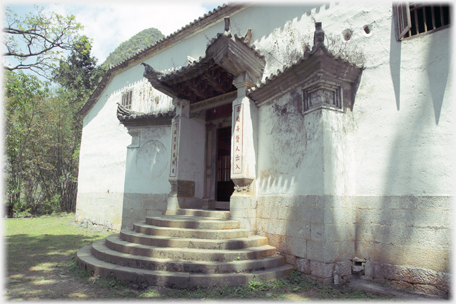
[
  {"x": 412, "y": 19},
  {"x": 126, "y": 99}
]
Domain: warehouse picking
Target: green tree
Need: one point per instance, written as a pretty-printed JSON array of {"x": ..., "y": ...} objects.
[
  {"x": 79, "y": 74},
  {"x": 43, "y": 129},
  {"x": 23, "y": 96},
  {"x": 36, "y": 41}
]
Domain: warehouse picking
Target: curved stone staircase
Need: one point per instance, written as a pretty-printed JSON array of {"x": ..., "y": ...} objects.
[{"x": 192, "y": 248}]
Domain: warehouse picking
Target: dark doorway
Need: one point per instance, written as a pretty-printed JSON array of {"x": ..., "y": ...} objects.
[{"x": 225, "y": 185}]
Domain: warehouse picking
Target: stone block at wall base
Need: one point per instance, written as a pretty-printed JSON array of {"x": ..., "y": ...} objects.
[
  {"x": 243, "y": 209},
  {"x": 93, "y": 227},
  {"x": 303, "y": 265},
  {"x": 430, "y": 290},
  {"x": 444, "y": 281},
  {"x": 401, "y": 285},
  {"x": 419, "y": 277},
  {"x": 321, "y": 270},
  {"x": 290, "y": 259},
  {"x": 344, "y": 268}
]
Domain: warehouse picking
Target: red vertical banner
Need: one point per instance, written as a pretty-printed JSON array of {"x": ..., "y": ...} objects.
[
  {"x": 174, "y": 146},
  {"x": 237, "y": 139}
]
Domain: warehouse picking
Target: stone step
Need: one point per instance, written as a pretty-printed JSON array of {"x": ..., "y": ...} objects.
[
  {"x": 205, "y": 213},
  {"x": 175, "y": 279},
  {"x": 115, "y": 243},
  {"x": 222, "y": 205},
  {"x": 193, "y": 222},
  {"x": 164, "y": 241},
  {"x": 190, "y": 233},
  {"x": 102, "y": 252}
]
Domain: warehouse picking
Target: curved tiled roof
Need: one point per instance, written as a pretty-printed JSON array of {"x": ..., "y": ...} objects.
[
  {"x": 226, "y": 56},
  {"x": 286, "y": 68},
  {"x": 128, "y": 117},
  {"x": 197, "y": 24},
  {"x": 286, "y": 78},
  {"x": 201, "y": 61}
]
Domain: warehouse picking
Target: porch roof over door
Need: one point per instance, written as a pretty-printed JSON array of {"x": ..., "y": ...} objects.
[{"x": 227, "y": 56}]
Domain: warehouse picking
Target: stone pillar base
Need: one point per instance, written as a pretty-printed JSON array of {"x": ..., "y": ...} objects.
[{"x": 243, "y": 208}]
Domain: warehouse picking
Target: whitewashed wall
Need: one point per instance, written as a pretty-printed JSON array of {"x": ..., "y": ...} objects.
[
  {"x": 387, "y": 197},
  {"x": 123, "y": 176}
]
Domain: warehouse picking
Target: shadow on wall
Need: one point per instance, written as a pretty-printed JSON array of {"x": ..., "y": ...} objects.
[
  {"x": 438, "y": 68},
  {"x": 407, "y": 227},
  {"x": 395, "y": 65}
]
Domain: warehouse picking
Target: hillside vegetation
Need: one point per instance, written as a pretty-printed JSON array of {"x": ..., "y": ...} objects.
[{"x": 130, "y": 47}]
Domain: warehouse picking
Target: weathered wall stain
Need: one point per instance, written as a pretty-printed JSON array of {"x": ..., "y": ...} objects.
[
  {"x": 152, "y": 159},
  {"x": 289, "y": 140}
]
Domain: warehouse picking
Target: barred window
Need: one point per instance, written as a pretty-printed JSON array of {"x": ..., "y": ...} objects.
[
  {"x": 126, "y": 99},
  {"x": 411, "y": 19}
]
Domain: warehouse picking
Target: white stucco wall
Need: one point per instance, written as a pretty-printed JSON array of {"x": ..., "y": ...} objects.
[
  {"x": 402, "y": 111},
  {"x": 375, "y": 182},
  {"x": 109, "y": 172}
]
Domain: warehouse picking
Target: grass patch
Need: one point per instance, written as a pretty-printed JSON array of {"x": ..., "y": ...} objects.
[
  {"x": 279, "y": 289},
  {"x": 40, "y": 244}
]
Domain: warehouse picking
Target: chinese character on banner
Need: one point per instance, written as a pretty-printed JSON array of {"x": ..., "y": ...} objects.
[
  {"x": 237, "y": 148},
  {"x": 174, "y": 149}
]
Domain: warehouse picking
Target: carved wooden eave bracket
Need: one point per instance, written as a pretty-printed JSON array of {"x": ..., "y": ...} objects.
[
  {"x": 135, "y": 119},
  {"x": 227, "y": 56},
  {"x": 235, "y": 55},
  {"x": 317, "y": 69}
]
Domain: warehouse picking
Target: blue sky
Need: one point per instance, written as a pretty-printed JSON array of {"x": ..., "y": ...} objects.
[{"x": 111, "y": 23}]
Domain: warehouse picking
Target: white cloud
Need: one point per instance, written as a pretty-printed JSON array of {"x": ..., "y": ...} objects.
[{"x": 111, "y": 24}]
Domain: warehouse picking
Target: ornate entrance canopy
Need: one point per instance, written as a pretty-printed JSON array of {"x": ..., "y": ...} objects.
[{"x": 226, "y": 57}]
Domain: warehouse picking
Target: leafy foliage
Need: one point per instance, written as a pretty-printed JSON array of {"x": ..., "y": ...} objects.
[
  {"x": 24, "y": 94},
  {"x": 130, "y": 47},
  {"x": 44, "y": 132},
  {"x": 37, "y": 41},
  {"x": 43, "y": 128},
  {"x": 79, "y": 73}
]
